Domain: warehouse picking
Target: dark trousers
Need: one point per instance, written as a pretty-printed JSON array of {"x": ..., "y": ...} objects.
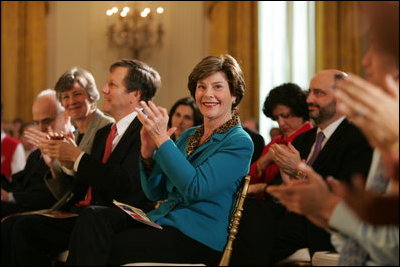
[
  {"x": 294, "y": 232},
  {"x": 8, "y": 208},
  {"x": 254, "y": 240},
  {"x": 108, "y": 236},
  {"x": 33, "y": 240},
  {"x": 268, "y": 233}
]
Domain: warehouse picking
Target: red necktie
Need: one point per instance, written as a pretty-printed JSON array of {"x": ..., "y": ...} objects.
[
  {"x": 106, "y": 155},
  {"x": 110, "y": 138}
]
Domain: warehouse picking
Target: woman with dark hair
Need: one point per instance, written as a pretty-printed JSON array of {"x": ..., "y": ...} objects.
[
  {"x": 183, "y": 115},
  {"x": 287, "y": 105}
]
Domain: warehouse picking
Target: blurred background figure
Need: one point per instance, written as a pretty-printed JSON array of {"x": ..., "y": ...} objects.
[
  {"x": 183, "y": 115},
  {"x": 28, "y": 146},
  {"x": 274, "y": 132},
  {"x": 16, "y": 127},
  {"x": 12, "y": 156},
  {"x": 251, "y": 124}
]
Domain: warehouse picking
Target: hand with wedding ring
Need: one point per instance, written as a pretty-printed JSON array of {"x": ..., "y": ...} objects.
[
  {"x": 375, "y": 110},
  {"x": 286, "y": 157}
]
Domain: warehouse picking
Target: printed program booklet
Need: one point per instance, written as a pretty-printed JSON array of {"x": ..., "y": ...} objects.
[{"x": 136, "y": 214}]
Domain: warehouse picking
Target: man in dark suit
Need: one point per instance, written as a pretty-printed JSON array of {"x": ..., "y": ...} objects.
[
  {"x": 110, "y": 172},
  {"x": 334, "y": 148},
  {"x": 28, "y": 189},
  {"x": 341, "y": 152}
]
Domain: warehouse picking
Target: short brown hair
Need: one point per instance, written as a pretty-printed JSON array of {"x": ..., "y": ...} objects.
[
  {"x": 140, "y": 77},
  {"x": 222, "y": 63}
]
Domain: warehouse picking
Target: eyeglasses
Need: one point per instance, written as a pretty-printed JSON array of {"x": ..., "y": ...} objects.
[{"x": 45, "y": 122}]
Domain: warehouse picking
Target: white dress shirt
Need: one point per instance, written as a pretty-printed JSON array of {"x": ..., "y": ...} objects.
[{"x": 122, "y": 126}]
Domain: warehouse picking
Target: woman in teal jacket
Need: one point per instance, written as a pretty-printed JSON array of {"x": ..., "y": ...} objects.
[{"x": 198, "y": 178}]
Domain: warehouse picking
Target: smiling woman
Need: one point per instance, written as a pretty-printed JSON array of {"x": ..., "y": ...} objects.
[
  {"x": 197, "y": 177},
  {"x": 77, "y": 91}
]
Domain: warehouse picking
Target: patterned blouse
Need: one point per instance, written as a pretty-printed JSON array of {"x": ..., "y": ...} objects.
[{"x": 194, "y": 140}]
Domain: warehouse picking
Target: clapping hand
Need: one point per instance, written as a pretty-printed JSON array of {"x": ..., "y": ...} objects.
[
  {"x": 310, "y": 197},
  {"x": 375, "y": 110},
  {"x": 286, "y": 157}
]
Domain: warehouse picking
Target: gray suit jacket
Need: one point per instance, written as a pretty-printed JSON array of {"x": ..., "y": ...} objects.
[
  {"x": 98, "y": 121},
  {"x": 61, "y": 187}
]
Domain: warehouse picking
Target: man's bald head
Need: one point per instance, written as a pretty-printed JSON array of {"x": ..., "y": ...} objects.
[
  {"x": 321, "y": 100},
  {"x": 47, "y": 111},
  {"x": 325, "y": 79}
]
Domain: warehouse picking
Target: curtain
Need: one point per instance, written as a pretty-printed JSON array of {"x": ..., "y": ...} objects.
[
  {"x": 338, "y": 36},
  {"x": 23, "y": 56},
  {"x": 233, "y": 28}
]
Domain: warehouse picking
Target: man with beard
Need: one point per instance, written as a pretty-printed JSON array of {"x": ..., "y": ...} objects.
[{"x": 335, "y": 147}]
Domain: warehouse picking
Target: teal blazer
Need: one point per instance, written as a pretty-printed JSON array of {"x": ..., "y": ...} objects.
[{"x": 200, "y": 190}]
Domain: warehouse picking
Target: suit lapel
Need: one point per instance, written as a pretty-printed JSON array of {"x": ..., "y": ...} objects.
[
  {"x": 94, "y": 125},
  {"x": 305, "y": 142},
  {"x": 333, "y": 143},
  {"x": 123, "y": 145},
  {"x": 36, "y": 164},
  {"x": 91, "y": 131}
]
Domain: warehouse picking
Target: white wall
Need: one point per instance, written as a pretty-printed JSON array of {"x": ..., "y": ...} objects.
[{"x": 77, "y": 37}]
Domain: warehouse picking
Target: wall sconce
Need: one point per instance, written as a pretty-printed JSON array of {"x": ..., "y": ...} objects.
[{"x": 135, "y": 28}]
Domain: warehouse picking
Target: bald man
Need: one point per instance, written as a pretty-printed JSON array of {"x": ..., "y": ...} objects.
[
  {"x": 29, "y": 191},
  {"x": 343, "y": 151}
]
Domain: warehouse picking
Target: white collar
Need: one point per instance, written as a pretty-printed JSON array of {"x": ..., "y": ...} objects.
[
  {"x": 124, "y": 123},
  {"x": 331, "y": 128}
]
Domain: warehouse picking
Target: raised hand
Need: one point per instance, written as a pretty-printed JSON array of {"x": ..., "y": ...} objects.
[
  {"x": 36, "y": 137},
  {"x": 311, "y": 197},
  {"x": 64, "y": 150},
  {"x": 155, "y": 127},
  {"x": 375, "y": 110},
  {"x": 286, "y": 157},
  {"x": 374, "y": 208}
]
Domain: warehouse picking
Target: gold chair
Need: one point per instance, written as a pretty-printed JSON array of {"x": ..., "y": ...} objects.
[
  {"x": 233, "y": 229},
  {"x": 235, "y": 220}
]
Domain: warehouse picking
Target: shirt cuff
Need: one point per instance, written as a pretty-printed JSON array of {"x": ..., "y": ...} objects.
[
  {"x": 68, "y": 171},
  {"x": 348, "y": 226},
  {"x": 78, "y": 159}
]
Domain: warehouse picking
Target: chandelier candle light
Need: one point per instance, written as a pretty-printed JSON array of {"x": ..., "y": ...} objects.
[{"x": 135, "y": 29}]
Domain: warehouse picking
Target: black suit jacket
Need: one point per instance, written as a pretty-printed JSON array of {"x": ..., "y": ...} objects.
[
  {"x": 345, "y": 153},
  {"x": 119, "y": 178},
  {"x": 258, "y": 141},
  {"x": 28, "y": 187},
  {"x": 268, "y": 233}
]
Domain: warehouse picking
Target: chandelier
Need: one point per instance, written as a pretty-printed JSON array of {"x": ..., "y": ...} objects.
[{"x": 135, "y": 28}]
